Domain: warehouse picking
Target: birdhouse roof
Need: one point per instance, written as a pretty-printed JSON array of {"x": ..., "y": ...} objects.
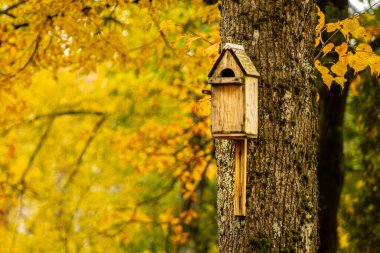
[{"x": 240, "y": 57}]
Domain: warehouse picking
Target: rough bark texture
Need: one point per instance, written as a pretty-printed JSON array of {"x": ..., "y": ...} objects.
[{"x": 281, "y": 176}]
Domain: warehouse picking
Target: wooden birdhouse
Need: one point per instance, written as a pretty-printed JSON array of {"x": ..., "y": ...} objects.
[
  {"x": 234, "y": 98},
  {"x": 234, "y": 110}
]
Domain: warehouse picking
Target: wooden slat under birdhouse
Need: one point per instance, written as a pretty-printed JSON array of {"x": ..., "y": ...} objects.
[{"x": 240, "y": 177}]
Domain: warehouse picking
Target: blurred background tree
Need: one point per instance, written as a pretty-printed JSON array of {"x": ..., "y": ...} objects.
[
  {"x": 103, "y": 146},
  {"x": 330, "y": 158},
  {"x": 359, "y": 210},
  {"x": 337, "y": 150}
]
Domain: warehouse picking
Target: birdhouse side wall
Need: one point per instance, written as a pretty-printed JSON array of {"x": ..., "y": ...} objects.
[
  {"x": 251, "y": 106},
  {"x": 227, "y": 109},
  {"x": 228, "y": 62}
]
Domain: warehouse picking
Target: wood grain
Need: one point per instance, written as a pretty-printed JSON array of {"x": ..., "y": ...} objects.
[
  {"x": 227, "y": 109},
  {"x": 251, "y": 108},
  {"x": 240, "y": 177}
]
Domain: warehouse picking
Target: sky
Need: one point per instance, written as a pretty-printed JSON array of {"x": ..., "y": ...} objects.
[{"x": 361, "y": 5}]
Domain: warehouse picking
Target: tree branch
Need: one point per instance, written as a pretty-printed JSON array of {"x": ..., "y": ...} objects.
[
  {"x": 35, "y": 152},
  {"x": 6, "y": 11},
  {"x": 155, "y": 22},
  {"x": 357, "y": 14},
  {"x": 55, "y": 114},
  {"x": 84, "y": 150},
  {"x": 18, "y": 215},
  {"x": 64, "y": 113},
  {"x": 199, "y": 36},
  {"x": 325, "y": 43},
  {"x": 37, "y": 41}
]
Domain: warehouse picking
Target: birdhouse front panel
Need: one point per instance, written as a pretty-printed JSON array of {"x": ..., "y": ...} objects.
[{"x": 227, "y": 116}]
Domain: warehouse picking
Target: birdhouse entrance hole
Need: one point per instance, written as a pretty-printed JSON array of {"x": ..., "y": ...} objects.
[{"x": 228, "y": 73}]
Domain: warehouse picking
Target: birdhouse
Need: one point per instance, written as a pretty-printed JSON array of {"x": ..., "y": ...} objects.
[
  {"x": 234, "y": 98},
  {"x": 234, "y": 110}
]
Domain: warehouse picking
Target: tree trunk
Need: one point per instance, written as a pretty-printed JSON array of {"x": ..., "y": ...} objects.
[
  {"x": 281, "y": 172},
  {"x": 330, "y": 164},
  {"x": 330, "y": 155}
]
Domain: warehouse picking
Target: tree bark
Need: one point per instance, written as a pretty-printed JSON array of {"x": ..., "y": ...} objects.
[{"x": 281, "y": 172}]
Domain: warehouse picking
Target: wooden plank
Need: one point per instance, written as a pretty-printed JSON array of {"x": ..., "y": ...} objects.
[
  {"x": 240, "y": 177},
  {"x": 256, "y": 107},
  {"x": 225, "y": 80},
  {"x": 232, "y": 135},
  {"x": 227, "y": 109},
  {"x": 251, "y": 115}
]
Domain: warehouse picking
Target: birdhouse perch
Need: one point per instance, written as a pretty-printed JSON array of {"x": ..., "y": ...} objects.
[{"x": 234, "y": 109}]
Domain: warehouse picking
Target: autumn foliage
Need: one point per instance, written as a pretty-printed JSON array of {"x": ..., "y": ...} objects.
[
  {"x": 104, "y": 147},
  {"x": 355, "y": 52}
]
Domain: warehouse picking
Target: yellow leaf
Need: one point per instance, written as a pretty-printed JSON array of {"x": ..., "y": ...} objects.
[
  {"x": 350, "y": 24},
  {"x": 344, "y": 58},
  {"x": 357, "y": 63},
  {"x": 345, "y": 33},
  {"x": 341, "y": 49},
  {"x": 166, "y": 24},
  {"x": 333, "y": 26},
  {"x": 191, "y": 40},
  {"x": 359, "y": 184},
  {"x": 322, "y": 69},
  {"x": 327, "y": 79},
  {"x": 343, "y": 240},
  {"x": 340, "y": 80},
  {"x": 179, "y": 37},
  {"x": 359, "y": 33},
  {"x": 327, "y": 48},
  {"x": 364, "y": 48},
  {"x": 193, "y": 213},
  {"x": 317, "y": 41},
  {"x": 165, "y": 227},
  {"x": 187, "y": 195},
  {"x": 374, "y": 63},
  {"x": 357, "y": 82},
  {"x": 175, "y": 221},
  {"x": 373, "y": 30},
  {"x": 339, "y": 68},
  {"x": 212, "y": 49},
  {"x": 187, "y": 220},
  {"x": 321, "y": 21},
  {"x": 190, "y": 186}
]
